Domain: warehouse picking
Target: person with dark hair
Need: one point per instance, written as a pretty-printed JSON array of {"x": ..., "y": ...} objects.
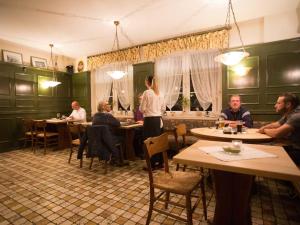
[
  {"x": 236, "y": 112},
  {"x": 288, "y": 126},
  {"x": 151, "y": 107}
]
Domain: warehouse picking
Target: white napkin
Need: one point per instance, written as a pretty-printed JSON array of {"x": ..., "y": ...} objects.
[{"x": 246, "y": 153}]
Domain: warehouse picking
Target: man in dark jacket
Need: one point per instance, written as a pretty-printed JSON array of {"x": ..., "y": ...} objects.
[
  {"x": 103, "y": 117},
  {"x": 236, "y": 112}
]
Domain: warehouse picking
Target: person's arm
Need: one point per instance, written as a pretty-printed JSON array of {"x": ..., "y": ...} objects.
[
  {"x": 246, "y": 117},
  {"x": 273, "y": 125},
  {"x": 71, "y": 116},
  {"x": 279, "y": 132},
  {"x": 113, "y": 121},
  {"x": 82, "y": 115},
  {"x": 144, "y": 102}
]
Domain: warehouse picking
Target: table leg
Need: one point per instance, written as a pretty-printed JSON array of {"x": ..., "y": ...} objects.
[
  {"x": 129, "y": 151},
  {"x": 232, "y": 191}
]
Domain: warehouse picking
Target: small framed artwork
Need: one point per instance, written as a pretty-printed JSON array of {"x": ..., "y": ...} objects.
[
  {"x": 38, "y": 62},
  {"x": 12, "y": 57}
]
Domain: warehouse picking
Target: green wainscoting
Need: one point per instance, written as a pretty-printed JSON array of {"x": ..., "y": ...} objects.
[
  {"x": 274, "y": 68},
  {"x": 81, "y": 90},
  {"x": 22, "y": 95},
  {"x": 140, "y": 72}
]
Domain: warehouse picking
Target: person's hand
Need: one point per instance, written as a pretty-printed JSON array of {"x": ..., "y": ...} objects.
[
  {"x": 233, "y": 124},
  {"x": 140, "y": 122},
  {"x": 261, "y": 130},
  {"x": 69, "y": 118}
]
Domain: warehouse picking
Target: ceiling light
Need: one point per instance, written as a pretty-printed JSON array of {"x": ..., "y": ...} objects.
[
  {"x": 53, "y": 82},
  {"x": 233, "y": 57},
  {"x": 116, "y": 74}
]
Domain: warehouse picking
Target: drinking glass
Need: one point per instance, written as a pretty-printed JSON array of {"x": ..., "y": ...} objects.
[
  {"x": 239, "y": 126},
  {"x": 221, "y": 123},
  {"x": 237, "y": 144},
  {"x": 58, "y": 115}
]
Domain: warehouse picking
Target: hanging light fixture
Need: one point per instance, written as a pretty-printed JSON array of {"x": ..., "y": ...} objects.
[
  {"x": 53, "y": 82},
  {"x": 233, "y": 57},
  {"x": 116, "y": 74}
]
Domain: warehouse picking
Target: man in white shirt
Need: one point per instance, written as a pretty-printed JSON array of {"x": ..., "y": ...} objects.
[{"x": 78, "y": 113}]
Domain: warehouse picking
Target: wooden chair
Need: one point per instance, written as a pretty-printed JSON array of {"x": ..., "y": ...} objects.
[
  {"x": 180, "y": 131},
  {"x": 176, "y": 182},
  {"x": 43, "y": 137},
  {"x": 75, "y": 131},
  {"x": 29, "y": 133}
]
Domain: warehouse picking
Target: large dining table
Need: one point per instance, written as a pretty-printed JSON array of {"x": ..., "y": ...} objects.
[
  {"x": 233, "y": 179},
  {"x": 250, "y": 135}
]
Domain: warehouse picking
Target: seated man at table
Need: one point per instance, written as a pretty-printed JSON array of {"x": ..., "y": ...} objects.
[
  {"x": 288, "y": 126},
  {"x": 78, "y": 114},
  {"x": 236, "y": 112},
  {"x": 103, "y": 117}
]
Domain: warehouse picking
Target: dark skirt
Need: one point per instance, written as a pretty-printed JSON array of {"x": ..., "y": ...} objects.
[
  {"x": 152, "y": 126},
  {"x": 152, "y": 129}
]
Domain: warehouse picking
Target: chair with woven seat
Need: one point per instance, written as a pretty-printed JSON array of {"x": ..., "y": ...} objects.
[
  {"x": 28, "y": 130},
  {"x": 43, "y": 137},
  {"x": 175, "y": 182},
  {"x": 74, "y": 131}
]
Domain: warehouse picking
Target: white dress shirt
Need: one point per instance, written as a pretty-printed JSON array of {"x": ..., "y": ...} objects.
[
  {"x": 151, "y": 104},
  {"x": 79, "y": 115}
]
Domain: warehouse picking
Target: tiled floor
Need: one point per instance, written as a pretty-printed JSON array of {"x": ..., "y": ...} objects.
[{"x": 38, "y": 189}]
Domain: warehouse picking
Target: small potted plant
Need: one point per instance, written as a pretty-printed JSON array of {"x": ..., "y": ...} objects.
[{"x": 185, "y": 102}]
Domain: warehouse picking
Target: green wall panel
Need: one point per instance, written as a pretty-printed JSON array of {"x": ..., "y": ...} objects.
[
  {"x": 275, "y": 68},
  {"x": 21, "y": 96},
  {"x": 140, "y": 72}
]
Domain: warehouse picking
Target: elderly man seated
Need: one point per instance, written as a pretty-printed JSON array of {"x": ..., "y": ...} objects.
[
  {"x": 288, "y": 127},
  {"x": 78, "y": 114},
  {"x": 103, "y": 117},
  {"x": 236, "y": 112}
]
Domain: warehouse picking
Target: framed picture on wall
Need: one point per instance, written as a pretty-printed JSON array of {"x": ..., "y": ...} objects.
[
  {"x": 12, "y": 57},
  {"x": 38, "y": 62}
]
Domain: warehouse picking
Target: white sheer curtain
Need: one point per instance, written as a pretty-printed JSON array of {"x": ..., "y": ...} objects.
[
  {"x": 124, "y": 86},
  {"x": 206, "y": 75},
  {"x": 169, "y": 72},
  {"x": 103, "y": 83}
]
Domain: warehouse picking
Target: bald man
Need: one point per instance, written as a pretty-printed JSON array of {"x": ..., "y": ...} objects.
[{"x": 78, "y": 113}]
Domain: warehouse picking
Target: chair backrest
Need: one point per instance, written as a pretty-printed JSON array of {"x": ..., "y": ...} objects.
[
  {"x": 155, "y": 145},
  {"x": 74, "y": 131},
  {"x": 100, "y": 141},
  {"x": 40, "y": 126},
  {"x": 180, "y": 130},
  {"x": 27, "y": 125}
]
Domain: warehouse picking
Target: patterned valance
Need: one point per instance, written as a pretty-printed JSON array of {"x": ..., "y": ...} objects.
[{"x": 211, "y": 40}]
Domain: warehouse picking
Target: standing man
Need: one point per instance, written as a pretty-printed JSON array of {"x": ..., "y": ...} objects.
[
  {"x": 78, "y": 113},
  {"x": 288, "y": 126},
  {"x": 236, "y": 112}
]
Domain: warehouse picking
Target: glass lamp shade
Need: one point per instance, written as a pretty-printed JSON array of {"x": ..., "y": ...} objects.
[
  {"x": 117, "y": 74},
  {"x": 231, "y": 58},
  {"x": 51, "y": 83}
]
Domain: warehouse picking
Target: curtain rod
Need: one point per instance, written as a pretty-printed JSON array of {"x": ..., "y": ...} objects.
[{"x": 167, "y": 39}]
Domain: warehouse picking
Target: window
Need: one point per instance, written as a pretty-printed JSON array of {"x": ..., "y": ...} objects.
[
  {"x": 178, "y": 105},
  {"x": 121, "y": 108},
  {"x": 110, "y": 99},
  {"x": 195, "y": 105}
]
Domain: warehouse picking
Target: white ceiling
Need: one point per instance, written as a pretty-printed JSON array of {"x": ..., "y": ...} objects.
[{"x": 85, "y": 27}]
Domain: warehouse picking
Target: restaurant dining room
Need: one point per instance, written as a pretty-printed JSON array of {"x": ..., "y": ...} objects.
[{"x": 161, "y": 112}]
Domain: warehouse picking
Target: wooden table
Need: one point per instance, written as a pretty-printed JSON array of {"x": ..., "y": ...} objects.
[
  {"x": 129, "y": 135},
  {"x": 235, "y": 178},
  {"x": 62, "y": 130},
  {"x": 250, "y": 136}
]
